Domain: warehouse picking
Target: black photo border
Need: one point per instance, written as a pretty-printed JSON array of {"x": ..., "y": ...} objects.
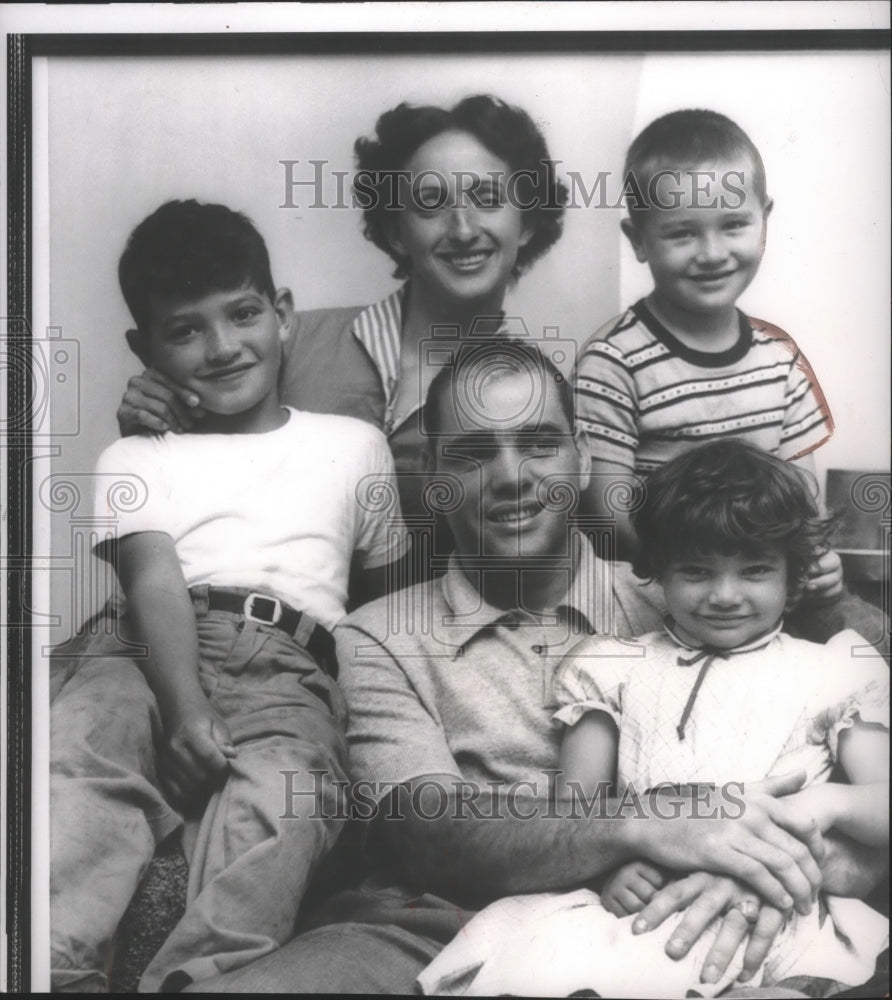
[{"x": 17, "y": 448}]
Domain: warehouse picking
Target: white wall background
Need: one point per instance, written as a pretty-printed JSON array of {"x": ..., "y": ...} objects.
[{"x": 125, "y": 135}]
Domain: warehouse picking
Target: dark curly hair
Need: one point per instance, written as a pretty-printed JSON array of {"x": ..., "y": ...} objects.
[
  {"x": 186, "y": 249},
  {"x": 728, "y": 496},
  {"x": 506, "y": 131}
]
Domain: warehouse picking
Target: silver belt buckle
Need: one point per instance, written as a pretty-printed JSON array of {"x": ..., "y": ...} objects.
[{"x": 273, "y": 603}]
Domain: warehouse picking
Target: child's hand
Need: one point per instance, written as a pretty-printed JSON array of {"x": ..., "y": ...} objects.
[
  {"x": 198, "y": 750},
  {"x": 819, "y": 801},
  {"x": 155, "y": 403},
  {"x": 630, "y": 888},
  {"x": 823, "y": 581}
]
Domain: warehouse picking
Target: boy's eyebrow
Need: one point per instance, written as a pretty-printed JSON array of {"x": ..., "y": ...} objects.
[
  {"x": 176, "y": 318},
  {"x": 187, "y": 313},
  {"x": 664, "y": 223},
  {"x": 247, "y": 295},
  {"x": 690, "y": 216}
]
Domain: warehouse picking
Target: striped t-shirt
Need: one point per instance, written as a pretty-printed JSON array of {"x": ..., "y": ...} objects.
[{"x": 643, "y": 397}]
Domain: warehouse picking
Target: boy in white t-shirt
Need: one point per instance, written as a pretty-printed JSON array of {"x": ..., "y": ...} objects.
[{"x": 235, "y": 556}]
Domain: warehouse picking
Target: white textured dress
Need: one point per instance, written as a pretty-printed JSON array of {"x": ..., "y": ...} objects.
[{"x": 768, "y": 711}]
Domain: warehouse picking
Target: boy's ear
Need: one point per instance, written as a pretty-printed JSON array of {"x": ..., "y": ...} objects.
[
  {"x": 766, "y": 211},
  {"x": 633, "y": 235},
  {"x": 138, "y": 342},
  {"x": 284, "y": 305}
]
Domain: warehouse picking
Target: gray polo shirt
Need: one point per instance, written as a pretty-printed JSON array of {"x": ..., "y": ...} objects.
[{"x": 439, "y": 682}]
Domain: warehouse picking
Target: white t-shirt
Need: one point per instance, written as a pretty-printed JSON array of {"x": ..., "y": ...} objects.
[{"x": 282, "y": 511}]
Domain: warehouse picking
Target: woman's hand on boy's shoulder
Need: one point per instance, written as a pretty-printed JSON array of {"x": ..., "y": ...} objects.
[{"x": 154, "y": 404}]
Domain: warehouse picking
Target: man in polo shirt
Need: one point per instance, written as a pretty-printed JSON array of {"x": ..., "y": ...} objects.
[{"x": 449, "y": 691}]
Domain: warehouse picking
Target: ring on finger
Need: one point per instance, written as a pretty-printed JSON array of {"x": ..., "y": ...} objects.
[{"x": 748, "y": 908}]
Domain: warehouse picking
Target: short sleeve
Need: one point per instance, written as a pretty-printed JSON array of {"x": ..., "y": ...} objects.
[
  {"x": 131, "y": 491},
  {"x": 592, "y": 677},
  {"x": 393, "y": 737},
  {"x": 381, "y": 535},
  {"x": 854, "y": 685},
  {"x": 606, "y": 403},
  {"x": 807, "y": 419}
]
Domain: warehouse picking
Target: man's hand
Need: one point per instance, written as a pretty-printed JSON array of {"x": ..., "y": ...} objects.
[
  {"x": 704, "y": 897},
  {"x": 823, "y": 580},
  {"x": 630, "y": 888},
  {"x": 197, "y": 751},
  {"x": 155, "y": 403},
  {"x": 757, "y": 838}
]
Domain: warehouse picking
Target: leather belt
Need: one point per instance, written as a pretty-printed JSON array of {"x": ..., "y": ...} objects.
[{"x": 265, "y": 609}]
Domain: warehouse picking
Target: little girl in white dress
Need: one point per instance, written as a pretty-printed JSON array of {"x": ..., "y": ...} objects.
[{"x": 723, "y": 697}]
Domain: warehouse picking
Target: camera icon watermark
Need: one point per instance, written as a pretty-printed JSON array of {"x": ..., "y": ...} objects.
[
  {"x": 42, "y": 376},
  {"x": 497, "y": 347}
]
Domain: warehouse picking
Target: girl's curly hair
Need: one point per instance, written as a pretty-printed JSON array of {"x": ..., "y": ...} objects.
[{"x": 729, "y": 496}]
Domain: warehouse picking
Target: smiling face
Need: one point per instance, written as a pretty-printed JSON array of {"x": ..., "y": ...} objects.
[
  {"x": 227, "y": 348},
  {"x": 458, "y": 231},
  {"x": 507, "y": 448},
  {"x": 704, "y": 252},
  {"x": 726, "y": 600}
]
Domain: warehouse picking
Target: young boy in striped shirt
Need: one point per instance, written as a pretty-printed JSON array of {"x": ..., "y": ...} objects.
[{"x": 684, "y": 365}]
